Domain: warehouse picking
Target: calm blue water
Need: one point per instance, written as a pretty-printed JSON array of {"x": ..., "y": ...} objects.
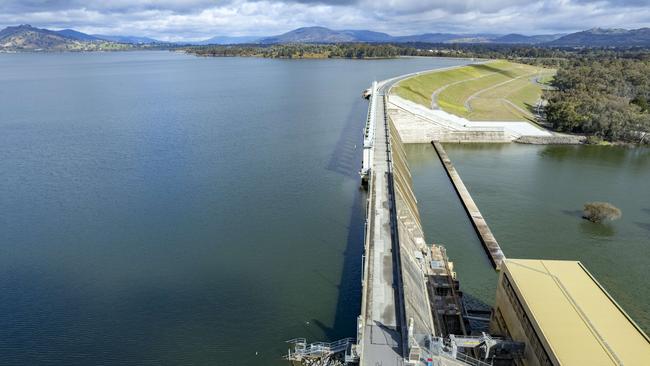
[{"x": 163, "y": 209}]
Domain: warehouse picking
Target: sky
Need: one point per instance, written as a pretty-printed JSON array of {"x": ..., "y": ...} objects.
[{"x": 175, "y": 20}]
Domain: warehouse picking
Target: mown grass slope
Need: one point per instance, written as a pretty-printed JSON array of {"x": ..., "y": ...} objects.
[{"x": 497, "y": 90}]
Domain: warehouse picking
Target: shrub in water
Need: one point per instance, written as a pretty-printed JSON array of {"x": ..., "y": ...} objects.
[{"x": 600, "y": 211}]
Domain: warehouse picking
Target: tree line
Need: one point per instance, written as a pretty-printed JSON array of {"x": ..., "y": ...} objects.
[
  {"x": 607, "y": 97},
  {"x": 343, "y": 50}
]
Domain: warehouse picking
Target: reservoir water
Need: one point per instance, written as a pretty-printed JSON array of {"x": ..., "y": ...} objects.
[{"x": 165, "y": 209}]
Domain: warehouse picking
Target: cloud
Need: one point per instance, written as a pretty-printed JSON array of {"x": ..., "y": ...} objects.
[{"x": 197, "y": 19}]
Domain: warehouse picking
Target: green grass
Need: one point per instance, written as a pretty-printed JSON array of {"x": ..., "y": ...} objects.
[
  {"x": 489, "y": 86},
  {"x": 453, "y": 98},
  {"x": 420, "y": 88},
  {"x": 547, "y": 79},
  {"x": 491, "y": 104}
]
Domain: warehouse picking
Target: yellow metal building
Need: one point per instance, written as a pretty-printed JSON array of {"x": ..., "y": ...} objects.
[{"x": 564, "y": 316}]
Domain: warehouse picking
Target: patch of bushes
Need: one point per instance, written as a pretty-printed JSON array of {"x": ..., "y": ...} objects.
[{"x": 600, "y": 211}]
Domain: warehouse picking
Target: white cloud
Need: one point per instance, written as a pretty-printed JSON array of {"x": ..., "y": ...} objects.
[{"x": 197, "y": 19}]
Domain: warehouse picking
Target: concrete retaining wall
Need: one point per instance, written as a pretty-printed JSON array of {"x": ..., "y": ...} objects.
[
  {"x": 416, "y": 130},
  {"x": 488, "y": 240},
  {"x": 418, "y": 124}
]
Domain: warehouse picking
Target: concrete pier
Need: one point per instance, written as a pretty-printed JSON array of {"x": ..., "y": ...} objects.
[{"x": 488, "y": 240}]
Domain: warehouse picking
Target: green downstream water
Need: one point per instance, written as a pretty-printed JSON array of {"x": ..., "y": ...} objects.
[{"x": 532, "y": 196}]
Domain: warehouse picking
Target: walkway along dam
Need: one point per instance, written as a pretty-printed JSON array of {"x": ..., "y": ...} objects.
[{"x": 412, "y": 310}]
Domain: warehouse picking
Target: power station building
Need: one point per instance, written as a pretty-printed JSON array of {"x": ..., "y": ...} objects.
[{"x": 564, "y": 316}]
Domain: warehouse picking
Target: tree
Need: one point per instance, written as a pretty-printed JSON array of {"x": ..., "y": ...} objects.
[{"x": 600, "y": 211}]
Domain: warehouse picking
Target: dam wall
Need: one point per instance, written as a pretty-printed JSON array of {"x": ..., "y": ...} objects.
[
  {"x": 396, "y": 316},
  {"x": 414, "y": 252},
  {"x": 410, "y": 297}
]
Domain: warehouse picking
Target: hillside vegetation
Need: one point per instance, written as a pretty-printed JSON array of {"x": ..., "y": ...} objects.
[
  {"x": 606, "y": 97},
  {"x": 28, "y": 38},
  {"x": 499, "y": 90},
  {"x": 299, "y": 51}
]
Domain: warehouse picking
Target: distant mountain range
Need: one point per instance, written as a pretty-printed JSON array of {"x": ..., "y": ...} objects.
[
  {"x": 326, "y": 35},
  {"x": 25, "y": 37},
  {"x": 28, "y": 38},
  {"x": 596, "y": 37},
  {"x": 227, "y": 40},
  {"x": 515, "y": 38},
  {"x": 599, "y": 37},
  {"x": 127, "y": 39},
  {"x": 71, "y": 33}
]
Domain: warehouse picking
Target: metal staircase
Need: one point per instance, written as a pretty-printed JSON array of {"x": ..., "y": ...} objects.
[{"x": 341, "y": 352}]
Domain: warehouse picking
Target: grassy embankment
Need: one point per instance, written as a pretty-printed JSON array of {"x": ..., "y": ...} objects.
[{"x": 495, "y": 91}]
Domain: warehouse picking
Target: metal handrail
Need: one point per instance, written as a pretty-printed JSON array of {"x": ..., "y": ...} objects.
[
  {"x": 470, "y": 360},
  {"x": 320, "y": 348}
]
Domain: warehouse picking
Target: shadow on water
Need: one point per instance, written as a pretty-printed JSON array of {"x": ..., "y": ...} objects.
[
  {"x": 473, "y": 303},
  {"x": 346, "y": 160},
  {"x": 573, "y": 213},
  {"x": 638, "y": 157},
  {"x": 346, "y": 157},
  {"x": 597, "y": 230},
  {"x": 348, "y": 305},
  {"x": 473, "y": 147},
  {"x": 643, "y": 225},
  {"x": 477, "y": 308}
]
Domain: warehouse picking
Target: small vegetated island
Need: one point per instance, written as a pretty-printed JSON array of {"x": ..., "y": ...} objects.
[{"x": 600, "y": 211}]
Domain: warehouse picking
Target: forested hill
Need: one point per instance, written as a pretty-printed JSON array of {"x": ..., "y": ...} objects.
[
  {"x": 28, "y": 38},
  {"x": 598, "y": 37}
]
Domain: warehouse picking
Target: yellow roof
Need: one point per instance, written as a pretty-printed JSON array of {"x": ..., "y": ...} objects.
[{"x": 582, "y": 324}]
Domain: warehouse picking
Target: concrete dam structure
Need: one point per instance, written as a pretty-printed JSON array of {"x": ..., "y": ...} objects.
[
  {"x": 412, "y": 310},
  {"x": 395, "y": 307},
  {"x": 410, "y": 296}
]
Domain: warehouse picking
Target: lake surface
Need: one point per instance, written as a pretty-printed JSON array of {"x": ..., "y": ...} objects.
[
  {"x": 164, "y": 209},
  {"x": 532, "y": 197}
]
